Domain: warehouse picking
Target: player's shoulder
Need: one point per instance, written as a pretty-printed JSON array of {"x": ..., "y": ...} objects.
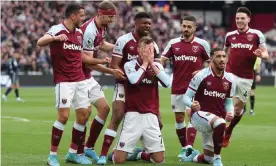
[
  {"x": 203, "y": 73},
  {"x": 89, "y": 27},
  {"x": 231, "y": 33},
  {"x": 56, "y": 29},
  {"x": 229, "y": 76},
  {"x": 125, "y": 38},
  {"x": 175, "y": 40},
  {"x": 202, "y": 42},
  {"x": 256, "y": 31},
  {"x": 131, "y": 63}
]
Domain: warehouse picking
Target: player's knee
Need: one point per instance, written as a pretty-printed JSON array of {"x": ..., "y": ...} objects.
[
  {"x": 218, "y": 122},
  {"x": 117, "y": 159},
  {"x": 103, "y": 113},
  {"x": 62, "y": 118},
  {"x": 82, "y": 116},
  {"x": 252, "y": 93},
  {"x": 89, "y": 110},
  {"x": 179, "y": 117},
  {"x": 158, "y": 159}
]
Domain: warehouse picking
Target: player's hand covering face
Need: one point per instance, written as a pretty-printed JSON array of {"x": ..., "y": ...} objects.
[
  {"x": 143, "y": 26},
  {"x": 219, "y": 59},
  {"x": 188, "y": 28},
  {"x": 146, "y": 52},
  {"x": 78, "y": 18},
  {"x": 242, "y": 21}
]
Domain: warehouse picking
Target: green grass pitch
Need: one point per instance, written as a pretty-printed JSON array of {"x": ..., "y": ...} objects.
[{"x": 26, "y": 143}]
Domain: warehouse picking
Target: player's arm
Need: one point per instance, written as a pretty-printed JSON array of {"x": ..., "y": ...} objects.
[
  {"x": 167, "y": 53},
  {"x": 117, "y": 73},
  {"x": 51, "y": 36},
  {"x": 107, "y": 46},
  {"x": 87, "y": 58},
  {"x": 135, "y": 76},
  {"x": 229, "y": 108},
  {"x": 48, "y": 39},
  {"x": 164, "y": 60},
  {"x": 117, "y": 55},
  {"x": 156, "y": 53},
  {"x": 262, "y": 47},
  {"x": 191, "y": 91},
  {"x": 163, "y": 78},
  {"x": 88, "y": 49}
]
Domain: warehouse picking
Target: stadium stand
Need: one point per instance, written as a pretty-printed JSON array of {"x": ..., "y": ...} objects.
[{"x": 23, "y": 22}]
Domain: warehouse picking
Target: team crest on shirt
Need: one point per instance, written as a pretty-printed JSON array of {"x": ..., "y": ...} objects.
[
  {"x": 177, "y": 49},
  {"x": 131, "y": 47},
  {"x": 249, "y": 37},
  {"x": 122, "y": 144},
  {"x": 79, "y": 39},
  {"x": 234, "y": 38},
  {"x": 209, "y": 83},
  {"x": 64, "y": 101},
  {"x": 195, "y": 49},
  {"x": 225, "y": 85},
  {"x": 173, "y": 107}
]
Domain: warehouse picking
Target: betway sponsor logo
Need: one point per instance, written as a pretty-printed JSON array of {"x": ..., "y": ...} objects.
[
  {"x": 146, "y": 81},
  {"x": 240, "y": 45},
  {"x": 185, "y": 58},
  {"x": 214, "y": 94},
  {"x": 130, "y": 57},
  {"x": 71, "y": 47}
]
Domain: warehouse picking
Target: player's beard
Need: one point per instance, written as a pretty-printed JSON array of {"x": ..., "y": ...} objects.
[{"x": 220, "y": 66}]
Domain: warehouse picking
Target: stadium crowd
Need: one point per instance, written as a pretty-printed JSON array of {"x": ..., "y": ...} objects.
[{"x": 23, "y": 22}]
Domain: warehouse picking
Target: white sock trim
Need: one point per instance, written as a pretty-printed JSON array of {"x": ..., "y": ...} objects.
[
  {"x": 53, "y": 153},
  {"x": 72, "y": 150},
  {"x": 59, "y": 125},
  {"x": 209, "y": 159},
  {"x": 110, "y": 132},
  {"x": 79, "y": 127},
  {"x": 195, "y": 158},
  {"x": 218, "y": 122},
  {"x": 101, "y": 121},
  {"x": 217, "y": 156},
  {"x": 180, "y": 125},
  {"x": 190, "y": 125}
]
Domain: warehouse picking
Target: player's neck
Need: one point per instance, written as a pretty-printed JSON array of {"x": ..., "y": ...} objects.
[
  {"x": 137, "y": 35},
  {"x": 98, "y": 22},
  {"x": 69, "y": 25},
  {"x": 188, "y": 39},
  {"x": 218, "y": 73},
  {"x": 245, "y": 29}
]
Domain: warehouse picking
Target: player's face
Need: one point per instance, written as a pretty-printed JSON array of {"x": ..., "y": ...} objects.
[
  {"x": 107, "y": 19},
  {"x": 143, "y": 26},
  {"x": 188, "y": 28},
  {"x": 146, "y": 50},
  {"x": 78, "y": 18},
  {"x": 220, "y": 60},
  {"x": 242, "y": 21}
]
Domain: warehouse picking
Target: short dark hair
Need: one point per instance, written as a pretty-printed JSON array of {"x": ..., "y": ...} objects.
[
  {"x": 104, "y": 5},
  {"x": 215, "y": 50},
  {"x": 244, "y": 10},
  {"x": 72, "y": 8},
  {"x": 145, "y": 40},
  {"x": 142, "y": 15},
  {"x": 189, "y": 18}
]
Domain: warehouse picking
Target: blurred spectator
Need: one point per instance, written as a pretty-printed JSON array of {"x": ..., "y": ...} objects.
[{"x": 23, "y": 22}]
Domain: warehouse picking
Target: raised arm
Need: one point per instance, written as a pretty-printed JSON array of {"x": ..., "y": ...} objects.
[{"x": 135, "y": 76}]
